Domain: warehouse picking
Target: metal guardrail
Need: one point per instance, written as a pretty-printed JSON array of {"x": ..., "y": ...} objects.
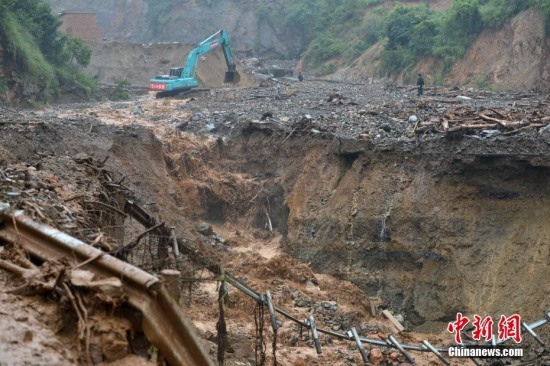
[
  {"x": 391, "y": 341},
  {"x": 165, "y": 323}
]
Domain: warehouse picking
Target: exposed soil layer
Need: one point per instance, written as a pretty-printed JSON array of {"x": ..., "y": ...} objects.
[
  {"x": 327, "y": 192},
  {"x": 137, "y": 63}
]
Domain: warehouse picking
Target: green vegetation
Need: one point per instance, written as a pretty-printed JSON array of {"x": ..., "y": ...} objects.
[
  {"x": 324, "y": 30},
  {"x": 544, "y": 6},
  {"x": 43, "y": 58},
  {"x": 332, "y": 33},
  {"x": 328, "y": 34},
  {"x": 414, "y": 32},
  {"x": 120, "y": 92}
]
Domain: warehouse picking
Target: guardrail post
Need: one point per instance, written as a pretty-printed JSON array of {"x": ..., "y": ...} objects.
[
  {"x": 171, "y": 277},
  {"x": 436, "y": 352},
  {"x": 175, "y": 247},
  {"x": 353, "y": 335},
  {"x": 274, "y": 324},
  {"x": 533, "y": 334},
  {"x": 311, "y": 323},
  {"x": 397, "y": 345}
]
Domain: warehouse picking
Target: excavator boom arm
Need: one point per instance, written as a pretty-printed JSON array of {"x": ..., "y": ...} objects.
[{"x": 218, "y": 38}]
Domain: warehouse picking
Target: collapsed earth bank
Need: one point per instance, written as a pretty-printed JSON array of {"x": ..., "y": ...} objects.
[{"x": 431, "y": 227}]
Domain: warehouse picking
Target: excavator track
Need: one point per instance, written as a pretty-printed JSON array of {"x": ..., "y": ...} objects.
[{"x": 180, "y": 93}]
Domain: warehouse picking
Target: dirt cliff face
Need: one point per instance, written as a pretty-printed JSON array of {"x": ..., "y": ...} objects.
[
  {"x": 433, "y": 232},
  {"x": 433, "y": 226},
  {"x": 188, "y": 22},
  {"x": 514, "y": 57}
]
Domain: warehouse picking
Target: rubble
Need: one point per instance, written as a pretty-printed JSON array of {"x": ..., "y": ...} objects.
[
  {"x": 355, "y": 117},
  {"x": 382, "y": 113}
]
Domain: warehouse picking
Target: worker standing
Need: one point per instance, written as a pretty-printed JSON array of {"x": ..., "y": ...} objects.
[{"x": 420, "y": 84}]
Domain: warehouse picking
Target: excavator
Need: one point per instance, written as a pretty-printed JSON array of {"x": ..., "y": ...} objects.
[{"x": 182, "y": 79}]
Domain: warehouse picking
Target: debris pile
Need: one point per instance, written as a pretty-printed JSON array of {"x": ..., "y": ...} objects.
[{"x": 378, "y": 112}]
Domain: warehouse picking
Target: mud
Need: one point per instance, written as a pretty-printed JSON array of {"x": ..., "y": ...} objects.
[{"x": 325, "y": 194}]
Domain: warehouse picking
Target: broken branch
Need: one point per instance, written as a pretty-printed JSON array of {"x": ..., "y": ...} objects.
[
  {"x": 133, "y": 244},
  {"x": 499, "y": 121}
]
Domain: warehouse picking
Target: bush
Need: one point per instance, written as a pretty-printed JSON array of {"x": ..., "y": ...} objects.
[{"x": 120, "y": 92}]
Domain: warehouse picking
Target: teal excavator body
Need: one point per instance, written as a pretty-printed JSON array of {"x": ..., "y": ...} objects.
[{"x": 182, "y": 79}]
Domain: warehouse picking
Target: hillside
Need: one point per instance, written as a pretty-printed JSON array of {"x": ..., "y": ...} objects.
[
  {"x": 189, "y": 21},
  {"x": 513, "y": 57},
  {"x": 346, "y": 39}
]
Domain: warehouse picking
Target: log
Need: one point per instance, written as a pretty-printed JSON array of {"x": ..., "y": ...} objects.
[
  {"x": 500, "y": 121},
  {"x": 532, "y": 125},
  {"x": 474, "y": 126}
]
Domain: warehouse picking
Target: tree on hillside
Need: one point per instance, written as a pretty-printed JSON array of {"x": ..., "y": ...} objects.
[{"x": 40, "y": 54}]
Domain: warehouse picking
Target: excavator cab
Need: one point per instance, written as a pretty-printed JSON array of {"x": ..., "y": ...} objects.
[{"x": 176, "y": 72}]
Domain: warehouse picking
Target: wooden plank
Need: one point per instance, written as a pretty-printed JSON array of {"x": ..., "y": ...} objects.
[{"x": 394, "y": 321}]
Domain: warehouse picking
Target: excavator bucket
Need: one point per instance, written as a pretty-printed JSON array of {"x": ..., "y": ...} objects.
[{"x": 232, "y": 76}]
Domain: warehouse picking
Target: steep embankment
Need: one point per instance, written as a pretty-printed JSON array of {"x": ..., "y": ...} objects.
[
  {"x": 187, "y": 22},
  {"x": 432, "y": 223},
  {"x": 514, "y": 57},
  {"x": 432, "y": 231}
]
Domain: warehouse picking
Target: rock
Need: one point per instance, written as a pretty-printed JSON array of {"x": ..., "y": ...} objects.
[
  {"x": 82, "y": 158},
  {"x": 218, "y": 238},
  {"x": 137, "y": 110},
  {"x": 400, "y": 318},
  {"x": 545, "y": 129},
  {"x": 205, "y": 229},
  {"x": 306, "y": 118},
  {"x": 413, "y": 118},
  {"x": 489, "y": 133},
  {"x": 266, "y": 115},
  {"x": 386, "y": 128},
  {"x": 376, "y": 357},
  {"x": 393, "y": 356},
  {"x": 463, "y": 97},
  {"x": 182, "y": 126},
  {"x": 311, "y": 286},
  {"x": 197, "y": 117},
  {"x": 209, "y": 127}
]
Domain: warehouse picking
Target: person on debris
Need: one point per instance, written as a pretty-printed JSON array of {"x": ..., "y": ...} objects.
[
  {"x": 300, "y": 77},
  {"x": 420, "y": 84}
]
